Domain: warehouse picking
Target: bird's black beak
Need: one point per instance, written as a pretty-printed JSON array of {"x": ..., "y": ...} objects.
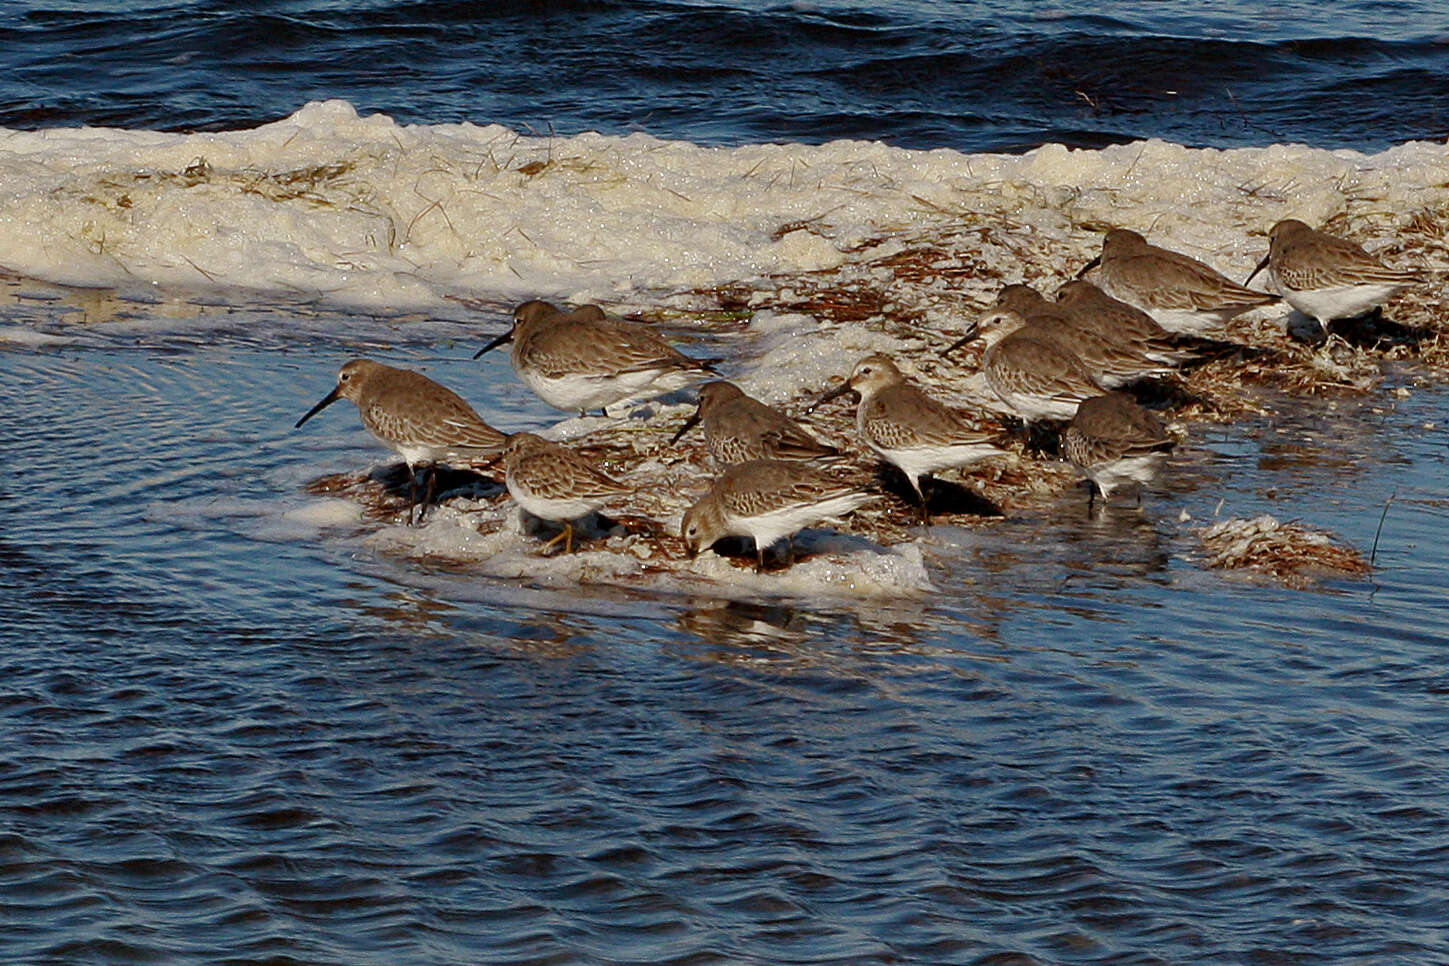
[
  {"x": 838, "y": 391},
  {"x": 1089, "y": 266},
  {"x": 971, "y": 334},
  {"x": 327, "y": 400},
  {"x": 498, "y": 341},
  {"x": 689, "y": 424},
  {"x": 1261, "y": 265}
]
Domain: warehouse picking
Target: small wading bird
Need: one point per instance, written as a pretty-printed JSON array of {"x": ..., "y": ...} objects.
[
  {"x": 1326, "y": 277},
  {"x": 909, "y": 429},
  {"x": 555, "y": 483},
  {"x": 1130, "y": 324},
  {"x": 425, "y": 422},
  {"x": 1110, "y": 357},
  {"x": 1036, "y": 377},
  {"x": 585, "y": 360},
  {"x": 738, "y": 428},
  {"x": 1181, "y": 293},
  {"x": 1114, "y": 442},
  {"x": 768, "y": 501}
]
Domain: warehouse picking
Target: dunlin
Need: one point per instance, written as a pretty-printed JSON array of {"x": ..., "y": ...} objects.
[
  {"x": 1108, "y": 356},
  {"x": 1326, "y": 277},
  {"x": 1180, "y": 293},
  {"x": 584, "y": 359},
  {"x": 1115, "y": 442},
  {"x": 1036, "y": 377},
  {"x": 769, "y": 501},
  {"x": 424, "y": 421},
  {"x": 555, "y": 483},
  {"x": 911, "y": 430},
  {"x": 738, "y": 428},
  {"x": 1128, "y": 323}
]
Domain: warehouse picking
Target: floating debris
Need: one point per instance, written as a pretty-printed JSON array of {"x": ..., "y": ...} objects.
[{"x": 1290, "y": 551}]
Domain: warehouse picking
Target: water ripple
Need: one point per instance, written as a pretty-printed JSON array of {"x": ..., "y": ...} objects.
[{"x": 228, "y": 749}]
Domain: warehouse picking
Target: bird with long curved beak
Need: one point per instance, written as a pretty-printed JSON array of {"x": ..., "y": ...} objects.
[
  {"x": 424, "y": 421},
  {"x": 584, "y": 359},
  {"x": 1035, "y": 375},
  {"x": 768, "y": 501},
  {"x": 1181, "y": 294},
  {"x": 739, "y": 428},
  {"x": 1326, "y": 277},
  {"x": 910, "y": 429}
]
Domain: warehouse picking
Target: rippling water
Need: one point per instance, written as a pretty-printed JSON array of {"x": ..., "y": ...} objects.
[
  {"x": 232, "y": 734},
  {"x": 959, "y": 74},
  {"x": 231, "y": 737}
]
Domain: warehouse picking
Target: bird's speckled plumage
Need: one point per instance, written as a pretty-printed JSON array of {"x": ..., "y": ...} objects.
[
  {"x": 767, "y": 500},
  {"x": 1125, "y": 323},
  {"x": 909, "y": 429},
  {"x": 1326, "y": 277},
  {"x": 555, "y": 483},
  {"x": 1114, "y": 441},
  {"x": 424, "y": 421},
  {"x": 585, "y": 359},
  {"x": 1181, "y": 293},
  {"x": 738, "y": 428},
  {"x": 1109, "y": 358}
]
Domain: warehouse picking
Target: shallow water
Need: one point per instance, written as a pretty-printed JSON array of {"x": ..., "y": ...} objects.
[
  {"x": 231, "y": 729},
  {"x": 236, "y": 730}
]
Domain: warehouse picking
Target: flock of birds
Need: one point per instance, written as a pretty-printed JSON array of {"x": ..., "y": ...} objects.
[{"x": 1147, "y": 311}]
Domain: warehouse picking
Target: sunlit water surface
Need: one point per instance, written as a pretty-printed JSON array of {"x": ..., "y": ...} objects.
[{"x": 231, "y": 736}]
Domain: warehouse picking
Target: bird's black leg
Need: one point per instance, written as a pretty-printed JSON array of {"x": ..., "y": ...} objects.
[{"x": 430, "y": 471}]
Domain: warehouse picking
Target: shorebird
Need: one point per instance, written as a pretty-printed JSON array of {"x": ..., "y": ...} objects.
[
  {"x": 555, "y": 483},
  {"x": 1326, "y": 277},
  {"x": 584, "y": 359},
  {"x": 911, "y": 430},
  {"x": 425, "y": 422},
  {"x": 1129, "y": 324},
  {"x": 1034, "y": 375},
  {"x": 769, "y": 501},
  {"x": 738, "y": 428},
  {"x": 1115, "y": 442},
  {"x": 1181, "y": 293},
  {"x": 1108, "y": 355}
]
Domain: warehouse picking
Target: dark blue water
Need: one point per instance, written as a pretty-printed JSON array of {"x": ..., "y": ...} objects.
[
  {"x": 229, "y": 739},
  {"x": 226, "y": 737},
  {"x": 967, "y": 75}
]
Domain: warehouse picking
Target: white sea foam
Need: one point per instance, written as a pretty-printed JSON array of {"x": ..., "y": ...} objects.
[
  {"x": 365, "y": 212},
  {"x": 369, "y": 212},
  {"x": 491, "y": 540}
]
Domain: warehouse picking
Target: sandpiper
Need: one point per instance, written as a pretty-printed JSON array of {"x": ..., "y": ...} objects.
[
  {"x": 1181, "y": 293},
  {"x": 584, "y": 359},
  {"x": 1326, "y": 277},
  {"x": 1110, "y": 358},
  {"x": 1129, "y": 324},
  {"x": 555, "y": 483},
  {"x": 769, "y": 501},
  {"x": 1035, "y": 376},
  {"x": 738, "y": 428},
  {"x": 424, "y": 421},
  {"x": 916, "y": 433},
  {"x": 1115, "y": 442}
]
